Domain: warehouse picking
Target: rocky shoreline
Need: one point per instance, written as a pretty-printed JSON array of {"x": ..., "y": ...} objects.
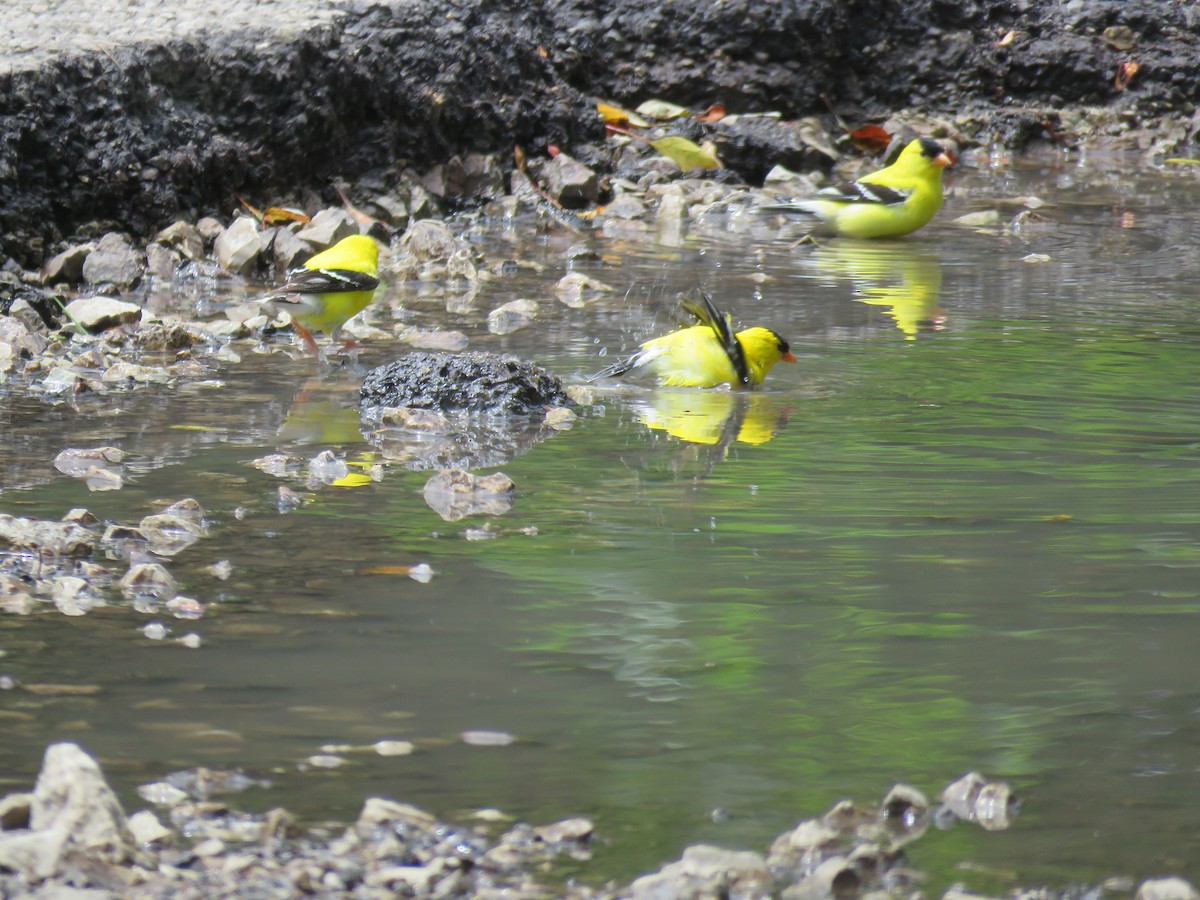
[
  {"x": 70, "y": 836},
  {"x": 133, "y": 136}
]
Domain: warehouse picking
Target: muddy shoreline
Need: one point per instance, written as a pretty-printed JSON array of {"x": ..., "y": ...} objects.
[{"x": 138, "y": 135}]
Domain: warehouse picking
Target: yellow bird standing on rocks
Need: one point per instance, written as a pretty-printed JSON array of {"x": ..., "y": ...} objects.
[
  {"x": 330, "y": 288},
  {"x": 891, "y": 202},
  {"x": 707, "y": 354}
]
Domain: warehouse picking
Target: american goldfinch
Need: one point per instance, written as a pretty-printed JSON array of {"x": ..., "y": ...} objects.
[
  {"x": 892, "y": 202},
  {"x": 707, "y": 354},
  {"x": 332, "y": 286}
]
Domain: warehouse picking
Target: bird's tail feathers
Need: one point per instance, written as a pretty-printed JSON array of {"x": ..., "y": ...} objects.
[
  {"x": 795, "y": 207},
  {"x": 613, "y": 371}
]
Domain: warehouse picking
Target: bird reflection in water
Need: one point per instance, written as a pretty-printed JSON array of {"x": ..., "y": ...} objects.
[
  {"x": 904, "y": 280},
  {"x": 712, "y": 421}
]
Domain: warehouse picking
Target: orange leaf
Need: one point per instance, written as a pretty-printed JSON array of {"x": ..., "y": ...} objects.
[
  {"x": 1125, "y": 73},
  {"x": 613, "y": 115},
  {"x": 714, "y": 113},
  {"x": 871, "y": 138},
  {"x": 385, "y": 570},
  {"x": 276, "y": 215},
  {"x": 552, "y": 150},
  {"x": 519, "y": 157}
]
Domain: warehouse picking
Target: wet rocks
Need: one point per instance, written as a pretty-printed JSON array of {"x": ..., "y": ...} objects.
[
  {"x": 99, "y": 313},
  {"x": 148, "y": 580},
  {"x": 100, "y": 467},
  {"x": 113, "y": 261},
  {"x": 706, "y": 871},
  {"x": 512, "y": 316},
  {"x": 1166, "y": 889},
  {"x": 475, "y": 382},
  {"x": 238, "y": 246},
  {"x": 55, "y": 538},
  {"x": 73, "y": 814},
  {"x": 174, "y": 529},
  {"x": 184, "y": 237},
  {"x": 66, "y": 267},
  {"x": 455, "y": 494},
  {"x": 571, "y": 183},
  {"x": 327, "y": 227},
  {"x": 973, "y": 798}
]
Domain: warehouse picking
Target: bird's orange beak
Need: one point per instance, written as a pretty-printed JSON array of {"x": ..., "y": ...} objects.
[
  {"x": 943, "y": 159},
  {"x": 788, "y": 357}
]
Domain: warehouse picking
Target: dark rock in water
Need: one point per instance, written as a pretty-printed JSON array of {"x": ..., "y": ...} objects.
[{"x": 474, "y": 382}]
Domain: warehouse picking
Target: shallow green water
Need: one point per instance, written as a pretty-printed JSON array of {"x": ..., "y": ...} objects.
[{"x": 922, "y": 550}]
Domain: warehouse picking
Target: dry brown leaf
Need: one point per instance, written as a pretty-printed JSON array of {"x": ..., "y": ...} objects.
[
  {"x": 1125, "y": 73},
  {"x": 277, "y": 215},
  {"x": 871, "y": 138},
  {"x": 714, "y": 113}
]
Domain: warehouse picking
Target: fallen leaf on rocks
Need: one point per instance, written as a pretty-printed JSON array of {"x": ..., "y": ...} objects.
[
  {"x": 688, "y": 154},
  {"x": 1007, "y": 39},
  {"x": 661, "y": 110},
  {"x": 1125, "y": 73},
  {"x": 273, "y": 215},
  {"x": 714, "y": 113},
  {"x": 871, "y": 138}
]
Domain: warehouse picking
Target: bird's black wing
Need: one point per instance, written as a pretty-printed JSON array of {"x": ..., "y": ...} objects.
[
  {"x": 707, "y": 314},
  {"x": 323, "y": 281},
  {"x": 862, "y": 192}
]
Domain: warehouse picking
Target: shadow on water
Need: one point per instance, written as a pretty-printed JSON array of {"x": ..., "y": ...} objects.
[{"x": 962, "y": 533}]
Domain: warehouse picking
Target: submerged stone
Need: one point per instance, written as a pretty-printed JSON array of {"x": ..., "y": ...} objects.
[{"x": 456, "y": 494}]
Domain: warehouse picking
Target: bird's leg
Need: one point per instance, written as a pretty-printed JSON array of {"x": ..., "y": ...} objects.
[
  {"x": 348, "y": 343},
  {"x": 306, "y": 336}
]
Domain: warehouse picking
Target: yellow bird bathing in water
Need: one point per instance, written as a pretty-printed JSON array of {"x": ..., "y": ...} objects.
[
  {"x": 891, "y": 202},
  {"x": 329, "y": 289},
  {"x": 707, "y": 354}
]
